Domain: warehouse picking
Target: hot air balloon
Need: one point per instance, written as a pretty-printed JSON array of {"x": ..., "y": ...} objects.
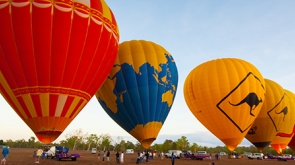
[
  {"x": 225, "y": 95},
  {"x": 286, "y": 132},
  {"x": 292, "y": 141},
  {"x": 270, "y": 118},
  {"x": 54, "y": 57},
  {"x": 139, "y": 92}
]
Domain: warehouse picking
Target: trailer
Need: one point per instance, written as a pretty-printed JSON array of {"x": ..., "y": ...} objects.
[{"x": 63, "y": 153}]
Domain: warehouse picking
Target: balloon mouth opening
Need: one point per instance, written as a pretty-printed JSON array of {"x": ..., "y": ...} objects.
[
  {"x": 47, "y": 136},
  {"x": 146, "y": 143}
]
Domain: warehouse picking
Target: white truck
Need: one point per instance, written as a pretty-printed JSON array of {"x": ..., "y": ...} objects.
[
  {"x": 258, "y": 156},
  {"x": 177, "y": 153}
]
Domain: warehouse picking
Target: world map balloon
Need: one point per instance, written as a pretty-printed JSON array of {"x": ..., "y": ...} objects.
[
  {"x": 54, "y": 56},
  {"x": 226, "y": 96},
  {"x": 139, "y": 92}
]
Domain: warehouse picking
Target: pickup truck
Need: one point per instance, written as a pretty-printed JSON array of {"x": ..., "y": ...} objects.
[
  {"x": 177, "y": 153},
  {"x": 199, "y": 156},
  {"x": 258, "y": 156}
]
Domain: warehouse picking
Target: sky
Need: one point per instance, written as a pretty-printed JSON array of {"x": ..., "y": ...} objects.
[{"x": 193, "y": 31}]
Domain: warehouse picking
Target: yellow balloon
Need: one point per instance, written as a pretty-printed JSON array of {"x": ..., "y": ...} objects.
[
  {"x": 270, "y": 118},
  {"x": 226, "y": 96},
  {"x": 285, "y": 134}
]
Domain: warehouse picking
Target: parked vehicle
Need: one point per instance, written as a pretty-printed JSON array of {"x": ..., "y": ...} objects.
[
  {"x": 258, "y": 156},
  {"x": 200, "y": 155},
  {"x": 51, "y": 152},
  {"x": 62, "y": 153},
  {"x": 177, "y": 153},
  {"x": 129, "y": 151},
  {"x": 93, "y": 151},
  {"x": 222, "y": 154},
  {"x": 285, "y": 157}
]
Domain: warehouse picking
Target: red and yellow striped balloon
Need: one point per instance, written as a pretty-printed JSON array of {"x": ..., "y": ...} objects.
[{"x": 54, "y": 56}]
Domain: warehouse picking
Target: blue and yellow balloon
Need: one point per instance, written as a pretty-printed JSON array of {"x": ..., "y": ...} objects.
[{"x": 139, "y": 92}]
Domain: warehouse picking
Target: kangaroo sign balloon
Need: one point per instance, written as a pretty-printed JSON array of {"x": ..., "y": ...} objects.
[
  {"x": 226, "y": 96},
  {"x": 271, "y": 116},
  {"x": 49, "y": 55}
]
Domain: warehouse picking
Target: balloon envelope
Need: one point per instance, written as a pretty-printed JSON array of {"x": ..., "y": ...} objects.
[
  {"x": 285, "y": 134},
  {"x": 225, "y": 95},
  {"x": 140, "y": 89},
  {"x": 270, "y": 118},
  {"x": 49, "y": 58}
]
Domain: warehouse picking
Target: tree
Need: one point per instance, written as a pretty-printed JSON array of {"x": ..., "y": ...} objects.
[
  {"x": 105, "y": 141},
  {"x": 167, "y": 145},
  {"x": 31, "y": 141},
  {"x": 194, "y": 147},
  {"x": 75, "y": 138},
  {"x": 182, "y": 143},
  {"x": 119, "y": 139},
  {"x": 91, "y": 139}
]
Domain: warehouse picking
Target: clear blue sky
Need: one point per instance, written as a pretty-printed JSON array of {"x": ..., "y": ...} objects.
[{"x": 193, "y": 31}]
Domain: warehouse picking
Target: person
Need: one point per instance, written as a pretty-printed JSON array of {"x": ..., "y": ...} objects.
[
  {"x": 43, "y": 155},
  {"x": 141, "y": 155},
  {"x": 210, "y": 155},
  {"x": 38, "y": 155},
  {"x": 172, "y": 158},
  {"x": 162, "y": 155},
  {"x": 5, "y": 153},
  {"x": 35, "y": 155},
  {"x": 147, "y": 155},
  {"x": 138, "y": 158},
  {"x": 117, "y": 157},
  {"x": 104, "y": 155},
  {"x": 122, "y": 158},
  {"x": 98, "y": 155},
  {"x": 108, "y": 155}
]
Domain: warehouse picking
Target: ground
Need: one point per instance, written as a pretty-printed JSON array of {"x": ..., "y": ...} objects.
[{"x": 22, "y": 156}]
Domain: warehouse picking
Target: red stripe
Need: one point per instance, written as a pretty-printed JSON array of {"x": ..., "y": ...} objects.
[
  {"x": 52, "y": 104},
  {"x": 281, "y": 134},
  {"x": 74, "y": 70},
  {"x": 60, "y": 38},
  {"x": 23, "y": 105},
  {"x": 96, "y": 5},
  {"x": 76, "y": 108},
  {"x": 41, "y": 27},
  {"x": 37, "y": 104},
  {"x": 67, "y": 105},
  {"x": 23, "y": 40}
]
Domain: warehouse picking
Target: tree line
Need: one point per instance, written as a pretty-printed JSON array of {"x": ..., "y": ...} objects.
[{"x": 78, "y": 140}]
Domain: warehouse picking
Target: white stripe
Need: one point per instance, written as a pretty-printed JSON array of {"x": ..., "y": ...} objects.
[
  {"x": 3, "y": 5},
  {"x": 60, "y": 104},
  {"x": 81, "y": 14},
  {"x": 20, "y": 4},
  {"x": 85, "y": 2},
  {"x": 63, "y": 8},
  {"x": 42, "y": 5}
]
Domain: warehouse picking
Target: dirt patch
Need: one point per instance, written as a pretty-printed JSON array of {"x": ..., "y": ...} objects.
[{"x": 20, "y": 156}]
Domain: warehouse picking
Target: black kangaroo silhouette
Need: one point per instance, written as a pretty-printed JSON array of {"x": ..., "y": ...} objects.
[
  {"x": 252, "y": 100},
  {"x": 252, "y": 130},
  {"x": 284, "y": 111}
]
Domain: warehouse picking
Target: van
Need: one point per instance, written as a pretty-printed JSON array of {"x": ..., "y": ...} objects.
[
  {"x": 129, "y": 151},
  {"x": 201, "y": 153},
  {"x": 93, "y": 151}
]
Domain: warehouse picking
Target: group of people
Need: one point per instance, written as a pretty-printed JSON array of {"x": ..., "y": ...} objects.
[
  {"x": 106, "y": 156},
  {"x": 5, "y": 153}
]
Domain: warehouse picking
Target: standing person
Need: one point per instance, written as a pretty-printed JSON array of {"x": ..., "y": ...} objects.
[
  {"x": 141, "y": 155},
  {"x": 43, "y": 155},
  {"x": 108, "y": 155},
  {"x": 172, "y": 158},
  {"x": 98, "y": 156},
  {"x": 5, "y": 153},
  {"x": 147, "y": 155},
  {"x": 117, "y": 157},
  {"x": 38, "y": 155},
  {"x": 122, "y": 158},
  {"x": 104, "y": 155}
]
